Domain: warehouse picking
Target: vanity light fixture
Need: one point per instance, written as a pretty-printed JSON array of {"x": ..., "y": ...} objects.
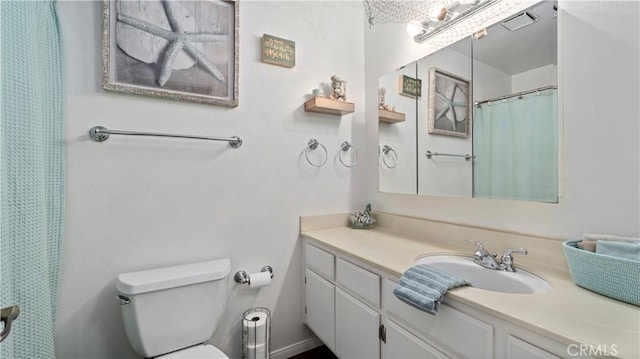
[
  {"x": 414, "y": 28},
  {"x": 427, "y": 19}
]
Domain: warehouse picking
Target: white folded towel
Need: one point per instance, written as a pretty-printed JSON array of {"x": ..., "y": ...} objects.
[{"x": 609, "y": 237}]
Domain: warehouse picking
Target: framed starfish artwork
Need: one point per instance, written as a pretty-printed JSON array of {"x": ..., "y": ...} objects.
[
  {"x": 176, "y": 49},
  {"x": 449, "y": 104}
]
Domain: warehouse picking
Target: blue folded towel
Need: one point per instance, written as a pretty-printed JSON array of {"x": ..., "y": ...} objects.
[
  {"x": 423, "y": 287},
  {"x": 619, "y": 249}
]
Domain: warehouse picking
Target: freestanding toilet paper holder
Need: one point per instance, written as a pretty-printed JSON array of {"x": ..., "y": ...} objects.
[{"x": 242, "y": 277}]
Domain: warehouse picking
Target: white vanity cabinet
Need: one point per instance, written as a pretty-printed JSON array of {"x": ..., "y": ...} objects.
[
  {"x": 343, "y": 308},
  {"x": 336, "y": 310},
  {"x": 350, "y": 306},
  {"x": 462, "y": 333}
]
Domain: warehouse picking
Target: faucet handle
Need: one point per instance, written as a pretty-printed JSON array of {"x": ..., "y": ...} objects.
[
  {"x": 508, "y": 252},
  {"x": 507, "y": 259},
  {"x": 478, "y": 244}
]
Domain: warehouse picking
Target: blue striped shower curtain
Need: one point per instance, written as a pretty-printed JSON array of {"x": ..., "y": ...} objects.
[{"x": 32, "y": 185}]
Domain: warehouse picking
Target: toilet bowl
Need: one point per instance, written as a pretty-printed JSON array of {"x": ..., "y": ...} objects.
[{"x": 171, "y": 312}]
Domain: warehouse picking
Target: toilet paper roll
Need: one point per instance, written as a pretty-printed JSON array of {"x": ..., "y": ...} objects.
[
  {"x": 260, "y": 279},
  {"x": 257, "y": 352},
  {"x": 255, "y": 325}
]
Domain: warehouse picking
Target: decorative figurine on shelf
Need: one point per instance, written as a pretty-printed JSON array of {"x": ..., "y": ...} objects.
[
  {"x": 362, "y": 220},
  {"x": 381, "y": 94},
  {"x": 339, "y": 88}
]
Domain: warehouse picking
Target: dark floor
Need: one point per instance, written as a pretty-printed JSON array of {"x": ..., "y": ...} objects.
[{"x": 318, "y": 353}]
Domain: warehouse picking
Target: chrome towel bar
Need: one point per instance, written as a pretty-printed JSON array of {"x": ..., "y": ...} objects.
[
  {"x": 466, "y": 156},
  {"x": 101, "y": 134}
]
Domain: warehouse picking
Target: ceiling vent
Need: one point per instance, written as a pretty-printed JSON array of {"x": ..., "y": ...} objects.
[{"x": 519, "y": 21}]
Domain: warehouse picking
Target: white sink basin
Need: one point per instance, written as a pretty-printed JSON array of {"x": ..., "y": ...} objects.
[{"x": 520, "y": 282}]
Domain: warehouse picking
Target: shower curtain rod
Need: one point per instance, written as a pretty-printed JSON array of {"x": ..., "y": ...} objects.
[{"x": 478, "y": 103}]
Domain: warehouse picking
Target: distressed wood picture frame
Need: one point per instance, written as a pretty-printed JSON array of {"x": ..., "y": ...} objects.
[
  {"x": 449, "y": 104},
  {"x": 181, "y": 50}
]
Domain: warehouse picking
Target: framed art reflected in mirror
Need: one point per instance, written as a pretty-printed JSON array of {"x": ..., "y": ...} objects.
[{"x": 449, "y": 104}]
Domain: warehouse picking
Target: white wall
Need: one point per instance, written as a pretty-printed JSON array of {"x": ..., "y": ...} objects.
[
  {"x": 599, "y": 88},
  {"x": 535, "y": 78},
  {"x": 137, "y": 203},
  {"x": 399, "y": 136}
]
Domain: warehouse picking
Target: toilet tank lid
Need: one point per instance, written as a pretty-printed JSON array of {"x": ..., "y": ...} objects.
[{"x": 171, "y": 277}]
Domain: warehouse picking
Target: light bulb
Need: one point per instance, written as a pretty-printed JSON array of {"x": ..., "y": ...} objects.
[{"x": 414, "y": 28}]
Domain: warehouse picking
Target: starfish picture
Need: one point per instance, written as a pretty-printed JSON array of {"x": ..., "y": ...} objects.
[
  {"x": 448, "y": 111},
  {"x": 449, "y": 104},
  {"x": 179, "y": 40}
]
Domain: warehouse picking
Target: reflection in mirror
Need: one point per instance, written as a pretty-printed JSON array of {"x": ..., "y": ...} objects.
[
  {"x": 444, "y": 125},
  {"x": 397, "y": 130},
  {"x": 492, "y": 155},
  {"x": 515, "y": 123}
]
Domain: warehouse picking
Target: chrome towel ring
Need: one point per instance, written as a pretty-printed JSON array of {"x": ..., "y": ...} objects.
[
  {"x": 388, "y": 152},
  {"x": 344, "y": 148},
  {"x": 312, "y": 145}
]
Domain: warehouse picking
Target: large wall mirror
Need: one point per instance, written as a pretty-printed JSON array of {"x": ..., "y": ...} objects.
[{"x": 483, "y": 119}]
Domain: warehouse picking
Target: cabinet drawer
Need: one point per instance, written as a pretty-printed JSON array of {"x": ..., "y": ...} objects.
[
  {"x": 320, "y": 261},
  {"x": 402, "y": 344},
  {"x": 460, "y": 332},
  {"x": 359, "y": 281},
  {"x": 517, "y": 348}
]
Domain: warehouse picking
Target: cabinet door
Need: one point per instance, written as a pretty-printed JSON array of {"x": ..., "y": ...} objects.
[
  {"x": 401, "y": 344},
  {"x": 357, "y": 328},
  {"x": 320, "y": 308},
  {"x": 460, "y": 332},
  {"x": 519, "y": 349}
]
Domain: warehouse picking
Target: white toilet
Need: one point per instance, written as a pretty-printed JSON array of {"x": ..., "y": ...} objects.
[{"x": 170, "y": 312}]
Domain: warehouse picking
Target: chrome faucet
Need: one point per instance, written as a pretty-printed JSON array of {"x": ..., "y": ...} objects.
[
  {"x": 507, "y": 259},
  {"x": 486, "y": 259}
]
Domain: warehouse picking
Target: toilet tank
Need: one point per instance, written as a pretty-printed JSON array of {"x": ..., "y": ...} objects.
[{"x": 171, "y": 308}]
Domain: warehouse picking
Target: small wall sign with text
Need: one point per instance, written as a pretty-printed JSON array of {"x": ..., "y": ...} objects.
[
  {"x": 410, "y": 87},
  {"x": 277, "y": 51}
]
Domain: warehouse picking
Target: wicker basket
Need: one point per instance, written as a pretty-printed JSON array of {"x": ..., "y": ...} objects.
[{"x": 617, "y": 278}]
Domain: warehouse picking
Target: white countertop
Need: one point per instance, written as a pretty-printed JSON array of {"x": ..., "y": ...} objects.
[{"x": 567, "y": 314}]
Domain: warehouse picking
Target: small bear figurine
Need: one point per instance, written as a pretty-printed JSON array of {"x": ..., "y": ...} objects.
[
  {"x": 381, "y": 98},
  {"x": 339, "y": 88}
]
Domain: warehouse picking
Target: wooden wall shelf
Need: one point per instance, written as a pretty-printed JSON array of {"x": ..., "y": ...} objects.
[
  {"x": 390, "y": 116},
  {"x": 327, "y": 105}
]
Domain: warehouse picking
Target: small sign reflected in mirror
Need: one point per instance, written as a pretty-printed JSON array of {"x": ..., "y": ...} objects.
[
  {"x": 410, "y": 87},
  {"x": 449, "y": 104}
]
